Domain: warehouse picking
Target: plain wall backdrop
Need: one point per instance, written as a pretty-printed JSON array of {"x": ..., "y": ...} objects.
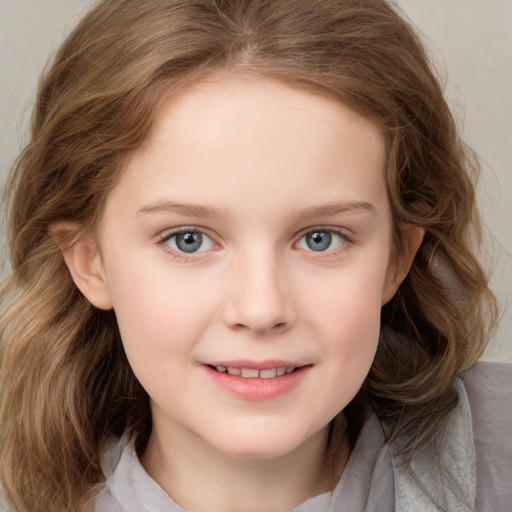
[{"x": 470, "y": 41}]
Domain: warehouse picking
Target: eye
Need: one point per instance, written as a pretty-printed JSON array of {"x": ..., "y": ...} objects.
[
  {"x": 321, "y": 240},
  {"x": 188, "y": 241}
]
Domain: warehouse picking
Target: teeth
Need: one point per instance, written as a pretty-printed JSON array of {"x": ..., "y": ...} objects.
[
  {"x": 254, "y": 373},
  {"x": 249, "y": 373},
  {"x": 268, "y": 374}
]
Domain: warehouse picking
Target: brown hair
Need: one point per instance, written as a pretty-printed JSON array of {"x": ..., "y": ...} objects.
[{"x": 66, "y": 384}]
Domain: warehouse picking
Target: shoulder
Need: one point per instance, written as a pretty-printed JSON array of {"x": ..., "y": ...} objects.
[
  {"x": 489, "y": 381},
  {"x": 469, "y": 467},
  {"x": 489, "y": 390}
]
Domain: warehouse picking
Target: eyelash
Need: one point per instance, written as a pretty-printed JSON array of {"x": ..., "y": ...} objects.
[
  {"x": 162, "y": 241},
  {"x": 346, "y": 241}
]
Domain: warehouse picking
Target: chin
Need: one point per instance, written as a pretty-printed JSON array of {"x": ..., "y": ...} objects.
[
  {"x": 259, "y": 451},
  {"x": 262, "y": 443}
]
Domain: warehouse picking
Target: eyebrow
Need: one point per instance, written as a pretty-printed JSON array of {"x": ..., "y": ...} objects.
[
  {"x": 334, "y": 209},
  {"x": 195, "y": 210},
  {"x": 187, "y": 209}
]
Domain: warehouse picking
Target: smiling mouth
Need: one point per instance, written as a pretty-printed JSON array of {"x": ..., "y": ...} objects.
[{"x": 254, "y": 373}]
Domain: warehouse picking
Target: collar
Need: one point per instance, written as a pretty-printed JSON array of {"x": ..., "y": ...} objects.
[{"x": 442, "y": 476}]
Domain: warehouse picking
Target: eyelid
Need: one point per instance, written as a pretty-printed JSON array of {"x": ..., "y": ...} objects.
[
  {"x": 347, "y": 239},
  {"x": 170, "y": 233},
  {"x": 343, "y": 232}
]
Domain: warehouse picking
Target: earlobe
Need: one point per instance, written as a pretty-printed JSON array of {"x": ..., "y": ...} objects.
[
  {"x": 84, "y": 261},
  {"x": 398, "y": 270}
]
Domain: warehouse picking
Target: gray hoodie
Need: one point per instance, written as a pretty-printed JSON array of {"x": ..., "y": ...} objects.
[{"x": 469, "y": 469}]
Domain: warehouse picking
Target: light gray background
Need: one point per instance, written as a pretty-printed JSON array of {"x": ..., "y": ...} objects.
[{"x": 470, "y": 40}]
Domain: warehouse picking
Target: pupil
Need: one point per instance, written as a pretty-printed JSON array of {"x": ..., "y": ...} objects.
[
  {"x": 189, "y": 242},
  {"x": 319, "y": 240}
]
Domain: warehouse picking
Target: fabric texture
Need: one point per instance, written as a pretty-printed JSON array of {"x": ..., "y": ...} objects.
[
  {"x": 468, "y": 469},
  {"x": 443, "y": 477}
]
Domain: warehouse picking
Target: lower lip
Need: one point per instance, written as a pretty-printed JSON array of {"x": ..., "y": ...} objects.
[{"x": 258, "y": 389}]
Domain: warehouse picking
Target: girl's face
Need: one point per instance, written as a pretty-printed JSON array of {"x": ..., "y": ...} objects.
[{"x": 246, "y": 253}]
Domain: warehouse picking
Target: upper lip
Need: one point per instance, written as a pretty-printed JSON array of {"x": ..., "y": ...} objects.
[{"x": 256, "y": 365}]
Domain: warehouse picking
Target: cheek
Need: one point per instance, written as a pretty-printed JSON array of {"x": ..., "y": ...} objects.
[
  {"x": 353, "y": 335},
  {"x": 158, "y": 315},
  {"x": 348, "y": 319},
  {"x": 351, "y": 299}
]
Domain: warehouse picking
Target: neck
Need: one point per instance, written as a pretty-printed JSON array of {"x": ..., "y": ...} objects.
[{"x": 200, "y": 478}]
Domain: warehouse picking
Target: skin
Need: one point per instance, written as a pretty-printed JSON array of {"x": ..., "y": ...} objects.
[{"x": 267, "y": 164}]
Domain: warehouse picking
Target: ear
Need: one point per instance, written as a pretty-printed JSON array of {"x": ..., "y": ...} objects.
[
  {"x": 398, "y": 269},
  {"x": 83, "y": 258}
]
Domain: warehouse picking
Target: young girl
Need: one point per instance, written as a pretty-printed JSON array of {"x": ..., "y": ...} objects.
[{"x": 243, "y": 275}]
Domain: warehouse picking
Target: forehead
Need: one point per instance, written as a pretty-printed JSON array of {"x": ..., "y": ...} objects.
[{"x": 254, "y": 142}]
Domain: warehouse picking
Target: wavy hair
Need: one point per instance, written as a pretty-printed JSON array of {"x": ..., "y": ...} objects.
[{"x": 66, "y": 386}]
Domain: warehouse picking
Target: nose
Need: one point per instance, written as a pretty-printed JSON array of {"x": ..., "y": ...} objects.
[{"x": 259, "y": 297}]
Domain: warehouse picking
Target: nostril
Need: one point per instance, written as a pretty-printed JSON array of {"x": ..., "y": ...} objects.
[{"x": 280, "y": 325}]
